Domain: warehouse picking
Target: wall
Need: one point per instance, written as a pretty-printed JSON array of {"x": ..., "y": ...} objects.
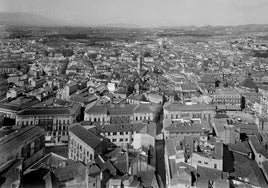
[{"x": 206, "y": 162}]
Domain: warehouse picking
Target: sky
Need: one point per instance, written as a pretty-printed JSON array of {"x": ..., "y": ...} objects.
[{"x": 145, "y": 13}]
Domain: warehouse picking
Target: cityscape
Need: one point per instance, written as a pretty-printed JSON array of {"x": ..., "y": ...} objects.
[{"x": 131, "y": 106}]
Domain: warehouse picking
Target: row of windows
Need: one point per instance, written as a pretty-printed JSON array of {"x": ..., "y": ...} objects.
[
  {"x": 82, "y": 151},
  {"x": 120, "y": 140},
  {"x": 57, "y": 122},
  {"x": 227, "y": 96},
  {"x": 194, "y": 115},
  {"x": 99, "y": 119},
  {"x": 206, "y": 163},
  {"x": 119, "y": 133}
]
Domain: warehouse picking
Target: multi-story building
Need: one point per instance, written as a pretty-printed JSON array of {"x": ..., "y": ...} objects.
[
  {"x": 176, "y": 110},
  {"x": 228, "y": 100},
  {"x": 209, "y": 157},
  {"x": 55, "y": 120},
  {"x": 137, "y": 135},
  {"x": 184, "y": 128},
  {"x": 84, "y": 145},
  {"x": 27, "y": 143},
  {"x": 122, "y": 113}
]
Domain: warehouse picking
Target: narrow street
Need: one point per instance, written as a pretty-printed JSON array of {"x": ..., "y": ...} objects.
[
  {"x": 160, "y": 162},
  {"x": 160, "y": 150}
]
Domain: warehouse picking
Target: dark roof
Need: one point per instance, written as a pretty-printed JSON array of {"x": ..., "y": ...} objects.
[
  {"x": 52, "y": 111},
  {"x": 94, "y": 170},
  {"x": 13, "y": 140},
  {"x": 70, "y": 172},
  {"x": 97, "y": 110},
  {"x": 240, "y": 147},
  {"x": 221, "y": 116},
  {"x": 146, "y": 177},
  {"x": 126, "y": 109},
  {"x": 204, "y": 174},
  {"x": 247, "y": 168},
  {"x": 86, "y": 136},
  {"x": 35, "y": 178},
  {"x": 247, "y": 82}
]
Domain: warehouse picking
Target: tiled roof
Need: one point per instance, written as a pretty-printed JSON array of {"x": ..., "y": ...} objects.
[
  {"x": 76, "y": 169},
  {"x": 176, "y": 106},
  {"x": 240, "y": 147},
  {"x": 187, "y": 127},
  {"x": 15, "y": 139},
  {"x": 257, "y": 146},
  {"x": 143, "y": 108},
  {"x": 247, "y": 168},
  {"x": 97, "y": 110},
  {"x": 207, "y": 78},
  {"x": 146, "y": 177},
  {"x": 122, "y": 128},
  {"x": 52, "y": 111},
  {"x": 86, "y": 136},
  {"x": 122, "y": 110},
  {"x": 94, "y": 170},
  {"x": 247, "y": 82}
]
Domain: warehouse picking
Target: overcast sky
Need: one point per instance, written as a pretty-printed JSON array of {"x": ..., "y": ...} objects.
[{"x": 145, "y": 12}]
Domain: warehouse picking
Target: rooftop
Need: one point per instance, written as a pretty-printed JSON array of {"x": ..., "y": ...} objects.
[
  {"x": 86, "y": 136},
  {"x": 176, "y": 106}
]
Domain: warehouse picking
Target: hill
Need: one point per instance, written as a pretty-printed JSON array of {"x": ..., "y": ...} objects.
[{"x": 26, "y": 19}]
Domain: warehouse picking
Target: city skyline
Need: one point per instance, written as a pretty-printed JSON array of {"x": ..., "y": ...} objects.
[{"x": 148, "y": 13}]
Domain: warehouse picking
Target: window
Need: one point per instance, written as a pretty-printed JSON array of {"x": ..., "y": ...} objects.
[
  {"x": 215, "y": 166},
  {"x": 108, "y": 133},
  {"x": 114, "y": 139},
  {"x": 206, "y": 162},
  {"x": 64, "y": 121},
  {"x": 121, "y": 133},
  {"x": 199, "y": 161},
  {"x": 126, "y": 139},
  {"x": 114, "y": 133},
  {"x": 121, "y": 140},
  {"x": 126, "y": 133}
]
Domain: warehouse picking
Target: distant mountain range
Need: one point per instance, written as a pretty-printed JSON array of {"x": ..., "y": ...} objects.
[
  {"x": 29, "y": 19},
  {"x": 26, "y": 19}
]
